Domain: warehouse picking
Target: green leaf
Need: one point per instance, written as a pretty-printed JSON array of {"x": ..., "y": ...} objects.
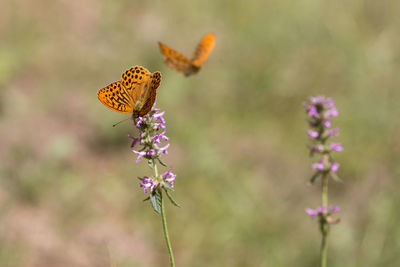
[
  {"x": 147, "y": 198},
  {"x": 162, "y": 163},
  {"x": 314, "y": 177},
  {"x": 150, "y": 162},
  {"x": 172, "y": 199},
  {"x": 336, "y": 177},
  {"x": 167, "y": 186},
  {"x": 155, "y": 199}
]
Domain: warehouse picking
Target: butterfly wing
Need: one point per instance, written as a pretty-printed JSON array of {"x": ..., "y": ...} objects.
[
  {"x": 148, "y": 96},
  {"x": 136, "y": 92},
  {"x": 203, "y": 49},
  {"x": 176, "y": 60},
  {"x": 116, "y": 97}
]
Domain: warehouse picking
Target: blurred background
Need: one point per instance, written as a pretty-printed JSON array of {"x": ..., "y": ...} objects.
[{"x": 69, "y": 193}]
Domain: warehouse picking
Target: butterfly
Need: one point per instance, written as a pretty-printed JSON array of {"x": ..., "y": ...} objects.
[
  {"x": 179, "y": 62},
  {"x": 136, "y": 92}
]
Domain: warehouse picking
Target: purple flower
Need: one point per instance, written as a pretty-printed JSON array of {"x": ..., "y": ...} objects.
[
  {"x": 333, "y": 132},
  {"x": 169, "y": 177},
  {"x": 313, "y": 134},
  {"x": 318, "y": 165},
  {"x": 333, "y": 112},
  {"x": 334, "y": 166},
  {"x": 311, "y": 110},
  {"x": 327, "y": 123},
  {"x": 317, "y": 148},
  {"x": 148, "y": 184},
  {"x": 336, "y": 147},
  {"x": 322, "y": 210},
  {"x": 334, "y": 209},
  {"x": 135, "y": 140},
  {"x": 151, "y": 152},
  {"x": 140, "y": 154},
  {"x": 164, "y": 149},
  {"x": 311, "y": 212}
]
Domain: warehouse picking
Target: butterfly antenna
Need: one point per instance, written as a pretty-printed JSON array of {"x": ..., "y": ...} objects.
[{"x": 120, "y": 122}]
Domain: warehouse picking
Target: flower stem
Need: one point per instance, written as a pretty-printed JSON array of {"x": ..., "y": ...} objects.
[
  {"x": 164, "y": 222},
  {"x": 324, "y": 224}
]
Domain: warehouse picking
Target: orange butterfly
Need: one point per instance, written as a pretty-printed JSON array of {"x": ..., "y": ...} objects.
[
  {"x": 136, "y": 92},
  {"x": 179, "y": 62}
]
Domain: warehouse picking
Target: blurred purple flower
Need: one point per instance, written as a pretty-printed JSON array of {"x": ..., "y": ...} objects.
[
  {"x": 320, "y": 110},
  {"x": 312, "y": 134},
  {"x": 311, "y": 110},
  {"x": 318, "y": 165},
  {"x": 334, "y": 166},
  {"x": 336, "y": 147},
  {"x": 322, "y": 210},
  {"x": 333, "y": 132},
  {"x": 316, "y": 149},
  {"x": 333, "y": 112},
  {"x": 327, "y": 123}
]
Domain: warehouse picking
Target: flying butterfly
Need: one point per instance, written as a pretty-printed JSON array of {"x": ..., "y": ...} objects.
[
  {"x": 135, "y": 93},
  {"x": 179, "y": 62}
]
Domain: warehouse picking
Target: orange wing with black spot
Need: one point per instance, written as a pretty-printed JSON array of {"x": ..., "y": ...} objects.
[
  {"x": 204, "y": 49},
  {"x": 179, "y": 62},
  {"x": 175, "y": 60},
  {"x": 116, "y": 97},
  {"x": 136, "y": 92}
]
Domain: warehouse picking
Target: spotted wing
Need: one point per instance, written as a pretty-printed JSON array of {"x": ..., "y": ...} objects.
[
  {"x": 148, "y": 95},
  {"x": 176, "y": 60},
  {"x": 204, "y": 49},
  {"x": 116, "y": 97}
]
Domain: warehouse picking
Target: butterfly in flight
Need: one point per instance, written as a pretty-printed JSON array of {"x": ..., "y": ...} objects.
[
  {"x": 179, "y": 62},
  {"x": 135, "y": 93}
]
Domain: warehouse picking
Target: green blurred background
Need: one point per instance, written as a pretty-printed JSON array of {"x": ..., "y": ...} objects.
[{"x": 69, "y": 193}]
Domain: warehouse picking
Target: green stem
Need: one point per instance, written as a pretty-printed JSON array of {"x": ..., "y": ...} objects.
[
  {"x": 323, "y": 251},
  {"x": 324, "y": 224},
  {"x": 164, "y": 219},
  {"x": 164, "y": 222},
  {"x": 155, "y": 169}
]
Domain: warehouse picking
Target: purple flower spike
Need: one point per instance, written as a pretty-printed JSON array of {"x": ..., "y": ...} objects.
[
  {"x": 151, "y": 129},
  {"x": 320, "y": 111}
]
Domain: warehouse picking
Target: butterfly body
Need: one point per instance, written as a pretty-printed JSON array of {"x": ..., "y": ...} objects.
[
  {"x": 135, "y": 93},
  {"x": 179, "y": 62}
]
